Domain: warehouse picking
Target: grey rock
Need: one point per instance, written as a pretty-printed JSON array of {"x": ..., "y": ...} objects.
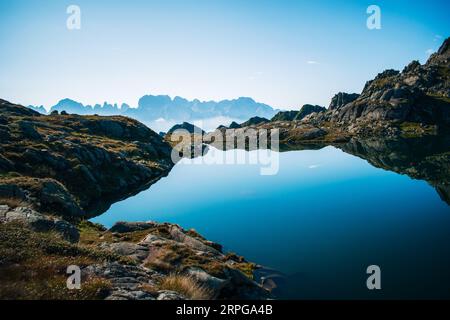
[
  {"x": 312, "y": 133},
  {"x": 3, "y": 210},
  {"x": 130, "y": 295},
  {"x": 420, "y": 94},
  {"x": 54, "y": 194},
  {"x": 123, "y": 226},
  {"x": 117, "y": 270},
  {"x": 170, "y": 295},
  {"x": 11, "y": 191},
  {"x": 240, "y": 286},
  {"x": 5, "y": 164},
  {"x": 134, "y": 251},
  {"x": 341, "y": 99},
  {"x": 151, "y": 239},
  {"x": 212, "y": 283},
  {"x": 179, "y": 236},
  {"x": 28, "y": 130},
  {"x": 40, "y": 223},
  {"x": 307, "y": 109},
  {"x": 285, "y": 116}
]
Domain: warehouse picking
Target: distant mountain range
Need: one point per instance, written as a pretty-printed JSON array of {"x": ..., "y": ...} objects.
[{"x": 151, "y": 107}]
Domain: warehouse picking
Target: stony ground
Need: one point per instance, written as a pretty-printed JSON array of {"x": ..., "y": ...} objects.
[{"x": 146, "y": 260}]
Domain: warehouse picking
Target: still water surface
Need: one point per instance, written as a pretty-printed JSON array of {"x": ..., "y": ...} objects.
[{"x": 321, "y": 221}]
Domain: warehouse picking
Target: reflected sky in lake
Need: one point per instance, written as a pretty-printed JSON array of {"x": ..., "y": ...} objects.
[{"x": 321, "y": 220}]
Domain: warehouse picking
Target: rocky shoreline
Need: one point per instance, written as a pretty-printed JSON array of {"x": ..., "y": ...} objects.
[
  {"x": 58, "y": 170},
  {"x": 139, "y": 260}
]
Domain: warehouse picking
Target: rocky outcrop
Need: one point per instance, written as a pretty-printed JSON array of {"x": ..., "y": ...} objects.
[
  {"x": 73, "y": 165},
  {"x": 39, "y": 222},
  {"x": 45, "y": 195},
  {"x": 130, "y": 261},
  {"x": 414, "y": 102},
  {"x": 419, "y": 94},
  {"x": 234, "y": 125},
  {"x": 297, "y": 115},
  {"x": 185, "y": 126},
  {"x": 285, "y": 115},
  {"x": 341, "y": 99},
  {"x": 158, "y": 250},
  {"x": 254, "y": 121},
  {"x": 308, "y": 109}
]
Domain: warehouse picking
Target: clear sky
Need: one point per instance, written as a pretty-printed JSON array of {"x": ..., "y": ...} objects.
[{"x": 283, "y": 53}]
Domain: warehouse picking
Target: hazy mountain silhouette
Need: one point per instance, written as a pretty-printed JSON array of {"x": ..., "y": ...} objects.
[{"x": 153, "y": 107}]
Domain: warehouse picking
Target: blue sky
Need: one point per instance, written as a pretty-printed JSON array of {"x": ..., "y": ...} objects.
[{"x": 283, "y": 53}]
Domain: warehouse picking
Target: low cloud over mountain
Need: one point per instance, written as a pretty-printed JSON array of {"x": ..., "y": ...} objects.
[{"x": 152, "y": 107}]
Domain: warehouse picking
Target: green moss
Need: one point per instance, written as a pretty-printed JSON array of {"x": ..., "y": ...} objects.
[
  {"x": 441, "y": 98},
  {"x": 248, "y": 268},
  {"x": 414, "y": 129},
  {"x": 93, "y": 234},
  {"x": 9, "y": 174}
]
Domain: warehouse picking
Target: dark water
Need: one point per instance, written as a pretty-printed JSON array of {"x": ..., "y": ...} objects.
[{"x": 321, "y": 220}]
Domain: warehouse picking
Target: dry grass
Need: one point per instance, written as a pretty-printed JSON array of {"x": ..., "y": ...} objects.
[
  {"x": 33, "y": 265},
  {"x": 13, "y": 202},
  {"x": 150, "y": 288},
  {"x": 175, "y": 257},
  {"x": 93, "y": 234},
  {"x": 187, "y": 286}
]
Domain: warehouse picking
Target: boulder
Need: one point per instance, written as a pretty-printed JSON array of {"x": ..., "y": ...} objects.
[
  {"x": 131, "y": 250},
  {"x": 215, "y": 285},
  {"x": 341, "y": 99},
  {"x": 39, "y": 222},
  {"x": 123, "y": 226},
  {"x": 178, "y": 235},
  {"x": 54, "y": 195},
  {"x": 170, "y": 295},
  {"x": 129, "y": 295},
  {"x": 239, "y": 286}
]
